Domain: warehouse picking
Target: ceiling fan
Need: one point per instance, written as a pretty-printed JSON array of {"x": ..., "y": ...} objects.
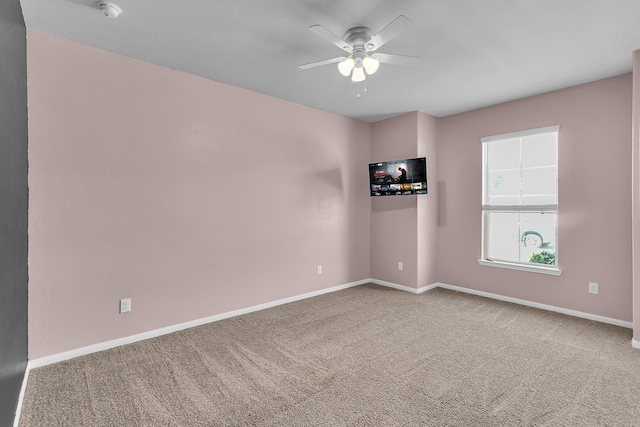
[{"x": 361, "y": 44}]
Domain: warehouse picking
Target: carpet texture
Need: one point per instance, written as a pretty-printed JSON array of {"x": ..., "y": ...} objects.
[{"x": 365, "y": 356}]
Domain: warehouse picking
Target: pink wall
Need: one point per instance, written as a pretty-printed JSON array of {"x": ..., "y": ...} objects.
[
  {"x": 404, "y": 228},
  {"x": 130, "y": 167},
  {"x": 393, "y": 219},
  {"x": 427, "y": 226},
  {"x": 594, "y": 204},
  {"x": 636, "y": 198},
  {"x": 191, "y": 197}
]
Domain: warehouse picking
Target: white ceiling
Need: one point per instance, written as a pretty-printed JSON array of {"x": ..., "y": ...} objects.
[{"x": 473, "y": 53}]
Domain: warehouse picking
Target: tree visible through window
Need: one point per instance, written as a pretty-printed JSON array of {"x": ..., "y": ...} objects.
[{"x": 520, "y": 197}]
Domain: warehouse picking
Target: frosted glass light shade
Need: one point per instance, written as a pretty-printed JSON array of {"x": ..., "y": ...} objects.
[
  {"x": 370, "y": 64},
  {"x": 358, "y": 75},
  {"x": 346, "y": 66}
]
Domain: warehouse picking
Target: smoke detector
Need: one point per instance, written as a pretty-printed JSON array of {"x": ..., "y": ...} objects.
[{"x": 109, "y": 9}]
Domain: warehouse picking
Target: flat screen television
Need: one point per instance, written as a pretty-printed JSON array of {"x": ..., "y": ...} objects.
[{"x": 398, "y": 177}]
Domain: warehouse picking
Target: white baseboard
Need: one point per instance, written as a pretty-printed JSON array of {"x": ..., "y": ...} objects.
[
  {"x": 403, "y": 287},
  {"x": 547, "y": 307},
  {"x": 59, "y": 357},
  {"x": 43, "y": 361},
  {"x": 16, "y": 418}
]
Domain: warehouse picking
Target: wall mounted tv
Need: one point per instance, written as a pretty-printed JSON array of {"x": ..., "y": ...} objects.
[{"x": 398, "y": 177}]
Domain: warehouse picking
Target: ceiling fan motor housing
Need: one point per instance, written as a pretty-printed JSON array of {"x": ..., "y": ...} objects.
[{"x": 358, "y": 37}]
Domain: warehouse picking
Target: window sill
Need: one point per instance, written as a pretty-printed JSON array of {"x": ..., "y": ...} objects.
[{"x": 513, "y": 266}]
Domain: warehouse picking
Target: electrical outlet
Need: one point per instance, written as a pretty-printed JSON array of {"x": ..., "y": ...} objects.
[
  {"x": 319, "y": 269},
  {"x": 400, "y": 265},
  {"x": 125, "y": 305},
  {"x": 593, "y": 288}
]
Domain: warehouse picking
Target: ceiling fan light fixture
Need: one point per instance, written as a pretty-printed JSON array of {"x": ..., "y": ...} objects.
[
  {"x": 360, "y": 43},
  {"x": 346, "y": 66},
  {"x": 370, "y": 64},
  {"x": 358, "y": 75}
]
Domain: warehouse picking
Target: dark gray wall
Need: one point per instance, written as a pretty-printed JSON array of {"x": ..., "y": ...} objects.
[{"x": 14, "y": 199}]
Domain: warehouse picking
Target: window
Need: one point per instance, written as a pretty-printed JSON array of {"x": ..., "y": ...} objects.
[{"x": 520, "y": 200}]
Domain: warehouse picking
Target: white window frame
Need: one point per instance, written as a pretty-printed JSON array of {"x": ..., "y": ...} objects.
[{"x": 486, "y": 209}]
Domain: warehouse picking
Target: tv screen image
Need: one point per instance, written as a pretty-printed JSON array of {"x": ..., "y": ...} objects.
[{"x": 398, "y": 177}]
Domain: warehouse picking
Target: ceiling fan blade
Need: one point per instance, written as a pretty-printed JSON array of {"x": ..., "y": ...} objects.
[
  {"x": 396, "y": 59},
  {"x": 395, "y": 27},
  {"x": 319, "y": 63},
  {"x": 328, "y": 35}
]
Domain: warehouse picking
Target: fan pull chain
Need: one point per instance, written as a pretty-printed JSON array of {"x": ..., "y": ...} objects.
[{"x": 365, "y": 88}]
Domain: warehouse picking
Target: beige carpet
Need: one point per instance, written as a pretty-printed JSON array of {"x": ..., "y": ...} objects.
[{"x": 365, "y": 356}]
